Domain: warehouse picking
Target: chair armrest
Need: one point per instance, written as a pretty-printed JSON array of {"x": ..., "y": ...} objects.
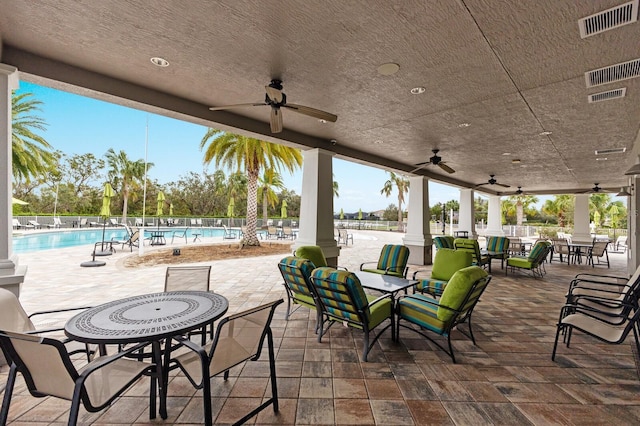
[
  {"x": 368, "y": 263},
  {"x": 419, "y": 271},
  {"x": 585, "y": 274},
  {"x": 108, "y": 359},
  {"x": 53, "y": 311},
  {"x": 342, "y": 268},
  {"x": 380, "y": 299}
]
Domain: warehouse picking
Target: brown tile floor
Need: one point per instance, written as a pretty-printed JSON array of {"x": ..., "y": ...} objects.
[{"x": 508, "y": 378}]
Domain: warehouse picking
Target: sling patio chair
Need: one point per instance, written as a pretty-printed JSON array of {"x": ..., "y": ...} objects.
[
  {"x": 341, "y": 299},
  {"x": 238, "y": 338},
  {"x": 131, "y": 238},
  {"x": 446, "y": 263},
  {"x": 560, "y": 246},
  {"x": 596, "y": 252},
  {"x": 472, "y": 246},
  {"x": 35, "y": 224},
  {"x": 443, "y": 241},
  {"x": 189, "y": 278},
  {"x": 393, "y": 261},
  {"x": 48, "y": 370},
  {"x": 454, "y": 308},
  {"x": 180, "y": 234},
  {"x": 344, "y": 236},
  {"x": 533, "y": 262}
]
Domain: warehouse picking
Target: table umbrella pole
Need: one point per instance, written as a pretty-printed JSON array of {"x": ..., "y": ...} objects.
[{"x": 102, "y": 251}]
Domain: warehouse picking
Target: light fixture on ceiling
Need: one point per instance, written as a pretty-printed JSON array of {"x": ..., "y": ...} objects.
[
  {"x": 461, "y": 125},
  {"x": 545, "y": 133},
  {"x": 418, "y": 90},
  {"x": 323, "y": 121},
  {"x": 160, "y": 62},
  {"x": 388, "y": 69},
  {"x": 506, "y": 153},
  {"x": 623, "y": 192},
  {"x": 516, "y": 161},
  {"x": 601, "y": 159},
  {"x": 635, "y": 169}
]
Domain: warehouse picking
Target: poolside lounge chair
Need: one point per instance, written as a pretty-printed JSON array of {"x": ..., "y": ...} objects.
[
  {"x": 16, "y": 224},
  {"x": 83, "y": 222},
  {"x": 35, "y": 224},
  {"x": 131, "y": 239},
  {"x": 180, "y": 234},
  {"x": 229, "y": 235},
  {"x": 57, "y": 223},
  {"x": 272, "y": 232}
]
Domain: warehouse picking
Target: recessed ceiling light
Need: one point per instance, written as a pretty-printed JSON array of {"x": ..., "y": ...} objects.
[
  {"x": 506, "y": 153},
  {"x": 322, "y": 120},
  {"x": 161, "y": 62},
  {"x": 545, "y": 133},
  {"x": 418, "y": 90},
  {"x": 602, "y": 159},
  {"x": 378, "y": 142},
  {"x": 515, "y": 161},
  {"x": 388, "y": 69},
  {"x": 464, "y": 125}
]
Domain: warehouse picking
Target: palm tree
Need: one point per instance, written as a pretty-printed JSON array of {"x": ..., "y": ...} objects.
[
  {"x": 599, "y": 203},
  {"x": 336, "y": 188},
  {"x": 269, "y": 181},
  {"x": 30, "y": 152},
  {"x": 522, "y": 202},
  {"x": 402, "y": 184},
  {"x": 254, "y": 155},
  {"x": 561, "y": 206},
  {"x": 125, "y": 174}
]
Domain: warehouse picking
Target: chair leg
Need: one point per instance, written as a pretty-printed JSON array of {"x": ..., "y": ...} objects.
[
  {"x": 555, "y": 343},
  {"x": 8, "y": 391},
  {"x": 453, "y": 358},
  {"x": 365, "y": 347},
  {"x": 206, "y": 398}
]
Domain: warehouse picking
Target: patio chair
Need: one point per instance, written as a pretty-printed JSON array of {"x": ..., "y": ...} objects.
[
  {"x": 131, "y": 238},
  {"x": 296, "y": 273},
  {"x": 597, "y": 251},
  {"x": 16, "y": 224},
  {"x": 341, "y": 299},
  {"x": 472, "y": 246},
  {"x": 35, "y": 224},
  {"x": 272, "y": 232},
  {"x": 180, "y": 234},
  {"x": 229, "y": 235},
  {"x": 238, "y": 338},
  {"x": 446, "y": 263},
  {"x": 187, "y": 278},
  {"x": 57, "y": 223},
  {"x": 598, "y": 323},
  {"x": 560, "y": 246},
  {"x": 138, "y": 222},
  {"x": 312, "y": 253},
  {"x": 83, "y": 222},
  {"x": 49, "y": 371},
  {"x": 393, "y": 261},
  {"x": 460, "y": 297},
  {"x": 14, "y": 318},
  {"x": 621, "y": 241},
  {"x": 498, "y": 245},
  {"x": 344, "y": 236},
  {"x": 533, "y": 262},
  {"x": 443, "y": 241}
]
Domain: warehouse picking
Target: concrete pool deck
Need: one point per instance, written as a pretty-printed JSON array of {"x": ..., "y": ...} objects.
[{"x": 508, "y": 378}]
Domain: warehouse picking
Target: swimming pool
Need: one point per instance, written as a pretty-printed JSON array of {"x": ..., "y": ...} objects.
[{"x": 61, "y": 239}]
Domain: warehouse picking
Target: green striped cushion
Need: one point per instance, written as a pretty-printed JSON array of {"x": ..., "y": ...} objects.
[
  {"x": 421, "y": 310},
  {"x": 458, "y": 289},
  {"x": 445, "y": 241},
  {"x": 393, "y": 257},
  {"x": 497, "y": 244},
  {"x": 537, "y": 250},
  {"x": 296, "y": 272},
  {"x": 431, "y": 286}
]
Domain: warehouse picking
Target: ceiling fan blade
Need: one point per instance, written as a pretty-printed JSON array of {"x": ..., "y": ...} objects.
[
  {"x": 276, "y": 120},
  {"x": 235, "y": 106},
  {"x": 312, "y": 112},
  {"x": 503, "y": 185},
  {"x": 481, "y": 184},
  {"x": 446, "y": 168},
  {"x": 420, "y": 166},
  {"x": 274, "y": 94}
]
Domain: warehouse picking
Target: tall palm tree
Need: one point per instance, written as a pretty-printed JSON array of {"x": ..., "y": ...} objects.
[
  {"x": 252, "y": 155},
  {"x": 522, "y": 202},
  {"x": 402, "y": 184},
  {"x": 124, "y": 174},
  {"x": 599, "y": 203},
  {"x": 269, "y": 181},
  {"x": 336, "y": 188},
  {"x": 561, "y": 206},
  {"x": 31, "y": 155}
]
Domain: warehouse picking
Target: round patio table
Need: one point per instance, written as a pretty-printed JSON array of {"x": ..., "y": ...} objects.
[{"x": 147, "y": 318}]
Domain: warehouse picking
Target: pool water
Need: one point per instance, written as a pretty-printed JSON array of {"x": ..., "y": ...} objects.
[{"x": 61, "y": 239}]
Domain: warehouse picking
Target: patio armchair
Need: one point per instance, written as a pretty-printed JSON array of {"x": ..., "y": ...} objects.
[
  {"x": 272, "y": 232},
  {"x": 344, "y": 236},
  {"x": 443, "y": 241},
  {"x": 460, "y": 297},
  {"x": 180, "y": 234},
  {"x": 393, "y": 261},
  {"x": 498, "y": 245},
  {"x": 48, "y": 370},
  {"x": 287, "y": 232},
  {"x": 560, "y": 246},
  {"x": 341, "y": 299},
  {"x": 296, "y": 273},
  {"x": 238, "y": 338},
  {"x": 533, "y": 262},
  {"x": 16, "y": 224},
  {"x": 598, "y": 251},
  {"x": 229, "y": 234},
  {"x": 446, "y": 263},
  {"x": 131, "y": 239},
  {"x": 312, "y": 253},
  {"x": 621, "y": 241},
  {"x": 472, "y": 246}
]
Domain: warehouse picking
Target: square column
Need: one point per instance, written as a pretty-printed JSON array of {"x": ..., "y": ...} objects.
[
  {"x": 581, "y": 231},
  {"x": 418, "y": 236},
  {"x": 11, "y": 275},
  {"x": 494, "y": 217},
  {"x": 316, "y": 204},
  {"x": 467, "y": 220},
  {"x": 633, "y": 226}
]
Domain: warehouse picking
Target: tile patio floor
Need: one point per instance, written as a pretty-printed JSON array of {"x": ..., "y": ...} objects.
[{"x": 508, "y": 378}]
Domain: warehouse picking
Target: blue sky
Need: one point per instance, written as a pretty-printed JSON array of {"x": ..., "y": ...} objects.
[{"x": 78, "y": 125}]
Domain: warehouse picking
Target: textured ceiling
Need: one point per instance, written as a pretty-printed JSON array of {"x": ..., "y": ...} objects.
[{"x": 509, "y": 69}]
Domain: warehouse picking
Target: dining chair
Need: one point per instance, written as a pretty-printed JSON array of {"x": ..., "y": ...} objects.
[
  {"x": 392, "y": 261},
  {"x": 49, "y": 371},
  {"x": 560, "y": 246},
  {"x": 597, "y": 251},
  {"x": 180, "y": 234},
  {"x": 187, "y": 278},
  {"x": 442, "y": 316},
  {"x": 238, "y": 338},
  {"x": 341, "y": 299}
]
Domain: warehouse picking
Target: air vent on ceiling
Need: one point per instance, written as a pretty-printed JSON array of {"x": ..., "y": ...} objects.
[
  {"x": 609, "y": 19},
  {"x": 608, "y": 95},
  {"x": 613, "y": 73},
  {"x": 611, "y": 151}
]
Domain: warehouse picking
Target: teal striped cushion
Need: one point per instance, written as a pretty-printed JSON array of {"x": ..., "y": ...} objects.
[
  {"x": 497, "y": 244},
  {"x": 421, "y": 310},
  {"x": 537, "y": 250},
  {"x": 296, "y": 272},
  {"x": 393, "y": 257},
  {"x": 431, "y": 286},
  {"x": 334, "y": 286},
  {"x": 445, "y": 241}
]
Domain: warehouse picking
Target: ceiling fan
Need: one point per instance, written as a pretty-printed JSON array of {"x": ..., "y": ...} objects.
[
  {"x": 436, "y": 160},
  {"x": 493, "y": 181},
  {"x": 276, "y": 99},
  {"x": 519, "y": 191},
  {"x": 593, "y": 190}
]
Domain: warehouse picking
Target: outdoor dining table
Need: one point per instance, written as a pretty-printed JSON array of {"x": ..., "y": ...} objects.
[
  {"x": 387, "y": 284},
  {"x": 494, "y": 255},
  {"x": 149, "y": 318},
  {"x": 157, "y": 236},
  {"x": 576, "y": 250}
]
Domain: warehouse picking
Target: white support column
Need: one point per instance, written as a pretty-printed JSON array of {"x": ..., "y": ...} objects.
[
  {"x": 11, "y": 274},
  {"x": 316, "y": 205},
  {"x": 633, "y": 226},
  {"x": 494, "y": 217},
  {"x": 418, "y": 236},
  {"x": 581, "y": 231},
  {"x": 466, "y": 220}
]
